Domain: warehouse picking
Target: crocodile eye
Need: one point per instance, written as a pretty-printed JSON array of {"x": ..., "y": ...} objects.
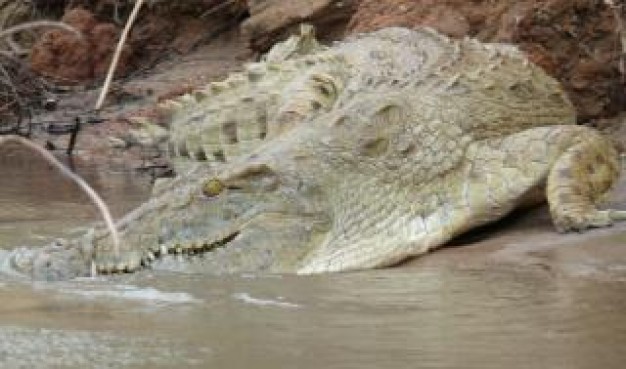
[
  {"x": 326, "y": 89},
  {"x": 212, "y": 187}
]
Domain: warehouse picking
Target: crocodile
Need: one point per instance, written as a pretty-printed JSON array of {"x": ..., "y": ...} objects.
[{"x": 358, "y": 155}]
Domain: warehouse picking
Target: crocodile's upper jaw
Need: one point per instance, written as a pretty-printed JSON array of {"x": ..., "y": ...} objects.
[{"x": 252, "y": 215}]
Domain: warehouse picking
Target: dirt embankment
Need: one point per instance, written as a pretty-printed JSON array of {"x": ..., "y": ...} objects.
[
  {"x": 176, "y": 46},
  {"x": 69, "y": 58},
  {"x": 161, "y": 29},
  {"x": 578, "y": 42}
]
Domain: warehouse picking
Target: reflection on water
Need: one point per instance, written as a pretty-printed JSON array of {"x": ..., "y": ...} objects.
[
  {"x": 398, "y": 318},
  {"x": 37, "y": 203},
  {"x": 457, "y": 315}
]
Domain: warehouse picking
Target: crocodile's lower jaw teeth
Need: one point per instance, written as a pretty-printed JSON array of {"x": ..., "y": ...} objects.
[
  {"x": 105, "y": 268},
  {"x": 133, "y": 265},
  {"x": 179, "y": 249}
]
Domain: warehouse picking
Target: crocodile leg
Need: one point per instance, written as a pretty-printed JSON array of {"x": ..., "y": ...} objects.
[
  {"x": 498, "y": 175},
  {"x": 477, "y": 192},
  {"x": 577, "y": 182},
  {"x": 575, "y": 164}
]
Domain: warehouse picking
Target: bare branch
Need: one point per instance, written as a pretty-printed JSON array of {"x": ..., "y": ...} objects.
[
  {"x": 38, "y": 24},
  {"x": 118, "y": 52},
  {"x": 618, "y": 10},
  {"x": 93, "y": 196}
]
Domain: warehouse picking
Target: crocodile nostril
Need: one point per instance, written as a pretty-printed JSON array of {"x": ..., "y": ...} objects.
[
  {"x": 229, "y": 129},
  {"x": 262, "y": 121},
  {"x": 374, "y": 147}
]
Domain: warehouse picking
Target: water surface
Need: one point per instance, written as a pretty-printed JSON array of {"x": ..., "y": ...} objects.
[
  {"x": 459, "y": 308},
  {"x": 37, "y": 203}
]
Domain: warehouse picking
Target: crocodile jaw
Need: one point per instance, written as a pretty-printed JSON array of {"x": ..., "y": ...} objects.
[
  {"x": 59, "y": 260},
  {"x": 260, "y": 211}
]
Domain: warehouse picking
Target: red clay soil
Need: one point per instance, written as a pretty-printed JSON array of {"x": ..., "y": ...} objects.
[
  {"x": 272, "y": 20},
  {"x": 69, "y": 58},
  {"x": 161, "y": 29},
  {"x": 576, "y": 41}
]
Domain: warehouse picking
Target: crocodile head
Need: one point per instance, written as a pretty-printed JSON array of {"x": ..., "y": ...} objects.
[
  {"x": 327, "y": 196},
  {"x": 338, "y": 193},
  {"x": 254, "y": 216},
  {"x": 333, "y": 194},
  {"x": 245, "y": 217}
]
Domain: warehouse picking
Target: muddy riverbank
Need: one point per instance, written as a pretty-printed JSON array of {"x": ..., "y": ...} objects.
[{"x": 176, "y": 47}]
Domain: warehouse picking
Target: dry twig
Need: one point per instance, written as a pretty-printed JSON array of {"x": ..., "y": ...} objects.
[
  {"x": 20, "y": 89},
  {"x": 12, "y": 101},
  {"x": 118, "y": 52},
  {"x": 38, "y": 24},
  {"x": 93, "y": 196},
  {"x": 618, "y": 13}
]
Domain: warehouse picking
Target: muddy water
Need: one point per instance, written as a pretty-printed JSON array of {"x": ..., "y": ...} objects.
[
  {"x": 460, "y": 308},
  {"x": 37, "y": 203}
]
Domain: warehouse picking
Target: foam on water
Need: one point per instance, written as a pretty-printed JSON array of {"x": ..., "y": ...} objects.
[
  {"x": 246, "y": 298},
  {"x": 129, "y": 292}
]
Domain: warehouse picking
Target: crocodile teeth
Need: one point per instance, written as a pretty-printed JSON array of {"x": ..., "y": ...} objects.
[
  {"x": 119, "y": 267},
  {"x": 106, "y": 267},
  {"x": 155, "y": 248},
  {"x": 93, "y": 269},
  {"x": 145, "y": 261},
  {"x": 133, "y": 264}
]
